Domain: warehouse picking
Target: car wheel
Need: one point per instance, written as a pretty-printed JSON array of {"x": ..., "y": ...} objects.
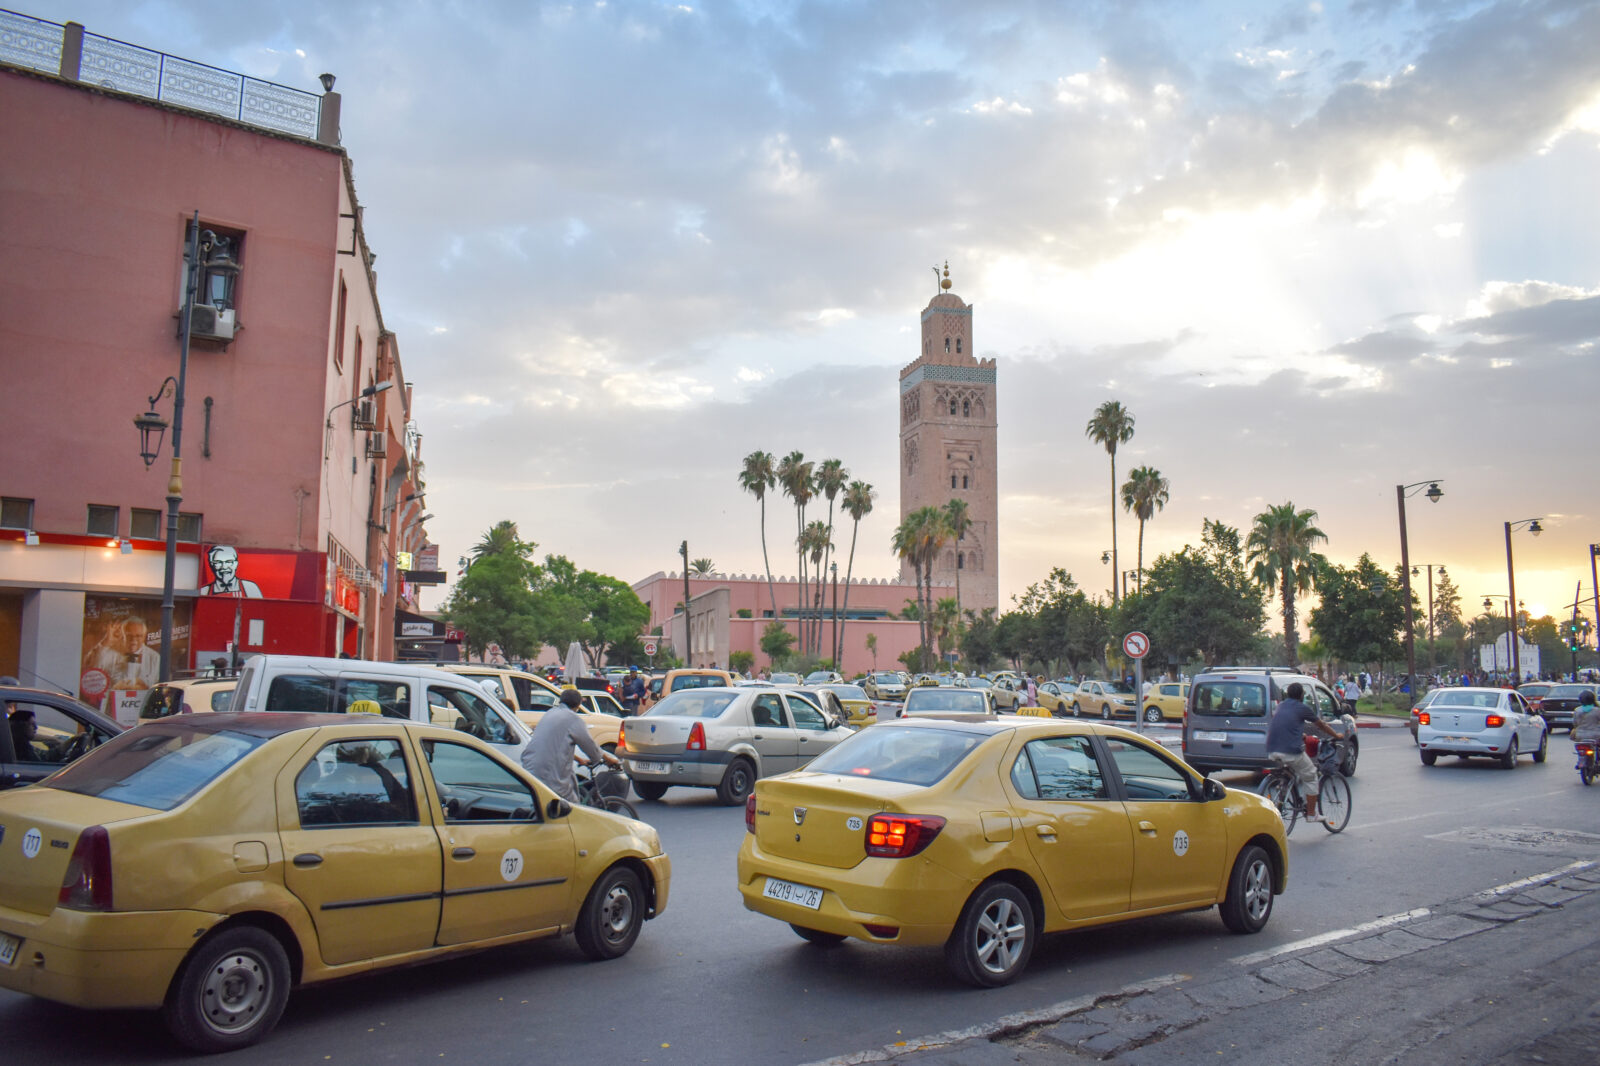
[
  {"x": 993, "y": 938},
  {"x": 737, "y": 782},
  {"x": 817, "y": 936},
  {"x": 650, "y": 790},
  {"x": 1105, "y": 712},
  {"x": 1543, "y": 748},
  {"x": 1152, "y": 715},
  {"x": 1347, "y": 766},
  {"x": 1508, "y": 761},
  {"x": 1429, "y": 758},
  {"x": 1248, "y": 904},
  {"x": 230, "y": 992},
  {"x": 611, "y": 916}
]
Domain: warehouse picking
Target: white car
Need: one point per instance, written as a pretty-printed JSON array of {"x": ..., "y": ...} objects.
[{"x": 1494, "y": 723}]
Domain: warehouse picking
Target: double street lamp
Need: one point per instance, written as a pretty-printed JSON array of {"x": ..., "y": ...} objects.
[
  {"x": 1400, "y": 493},
  {"x": 1138, "y": 579},
  {"x": 1532, "y": 525},
  {"x": 1511, "y": 627}
]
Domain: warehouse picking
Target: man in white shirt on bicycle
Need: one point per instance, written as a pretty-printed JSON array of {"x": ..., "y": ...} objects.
[{"x": 1286, "y": 742}]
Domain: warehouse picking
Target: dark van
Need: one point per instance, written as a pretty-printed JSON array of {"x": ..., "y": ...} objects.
[{"x": 1229, "y": 707}]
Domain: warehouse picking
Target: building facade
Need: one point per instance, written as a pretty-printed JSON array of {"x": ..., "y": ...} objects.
[
  {"x": 947, "y": 446},
  {"x": 301, "y": 479}
]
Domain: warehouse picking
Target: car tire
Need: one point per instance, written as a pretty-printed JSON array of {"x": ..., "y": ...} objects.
[
  {"x": 1248, "y": 904},
  {"x": 1153, "y": 715},
  {"x": 1347, "y": 767},
  {"x": 1508, "y": 761},
  {"x": 993, "y": 939},
  {"x": 1544, "y": 747},
  {"x": 650, "y": 790},
  {"x": 817, "y": 936},
  {"x": 611, "y": 916},
  {"x": 1429, "y": 758},
  {"x": 1105, "y": 712},
  {"x": 737, "y": 782},
  {"x": 230, "y": 991}
]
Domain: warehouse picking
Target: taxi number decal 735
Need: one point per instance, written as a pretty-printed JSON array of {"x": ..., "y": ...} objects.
[
  {"x": 8, "y": 949},
  {"x": 789, "y": 892}
]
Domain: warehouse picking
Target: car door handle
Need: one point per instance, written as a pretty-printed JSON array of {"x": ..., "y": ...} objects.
[
  {"x": 1045, "y": 832},
  {"x": 1147, "y": 827},
  {"x": 761, "y": 736},
  {"x": 463, "y": 853},
  {"x": 308, "y": 858}
]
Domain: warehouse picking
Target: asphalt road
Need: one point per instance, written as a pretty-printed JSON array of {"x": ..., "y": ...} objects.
[{"x": 710, "y": 983}]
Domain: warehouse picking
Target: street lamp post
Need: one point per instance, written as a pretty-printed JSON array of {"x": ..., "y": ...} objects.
[
  {"x": 1442, "y": 573},
  {"x": 688, "y": 657},
  {"x": 1400, "y": 494},
  {"x": 1533, "y": 526}
]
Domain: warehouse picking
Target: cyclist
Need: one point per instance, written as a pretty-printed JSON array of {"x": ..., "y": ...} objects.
[
  {"x": 549, "y": 753},
  {"x": 1586, "y": 723},
  {"x": 1286, "y": 743}
]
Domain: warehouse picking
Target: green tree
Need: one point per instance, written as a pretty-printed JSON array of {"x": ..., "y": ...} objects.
[
  {"x": 741, "y": 661},
  {"x": 1547, "y": 634},
  {"x": 946, "y": 619},
  {"x": 602, "y": 613},
  {"x": 1144, "y": 493},
  {"x": 872, "y": 646},
  {"x": 1012, "y": 634},
  {"x": 795, "y": 475},
  {"x": 1280, "y": 551},
  {"x": 702, "y": 567},
  {"x": 1111, "y": 426},
  {"x": 908, "y": 548},
  {"x": 1200, "y": 604},
  {"x": 978, "y": 643},
  {"x": 777, "y": 643},
  {"x": 1362, "y": 615},
  {"x": 858, "y": 497},
  {"x": 502, "y": 539},
  {"x": 932, "y": 534},
  {"x": 493, "y": 601},
  {"x": 756, "y": 477}
]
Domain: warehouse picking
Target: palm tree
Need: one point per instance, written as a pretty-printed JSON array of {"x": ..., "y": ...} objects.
[
  {"x": 756, "y": 478},
  {"x": 501, "y": 539},
  {"x": 872, "y": 646},
  {"x": 945, "y": 617},
  {"x": 958, "y": 515},
  {"x": 932, "y": 531},
  {"x": 702, "y": 567},
  {"x": 1111, "y": 425},
  {"x": 1144, "y": 494},
  {"x": 1279, "y": 550},
  {"x": 816, "y": 543},
  {"x": 857, "y": 504},
  {"x": 906, "y": 547},
  {"x": 794, "y": 474},
  {"x": 830, "y": 481}
]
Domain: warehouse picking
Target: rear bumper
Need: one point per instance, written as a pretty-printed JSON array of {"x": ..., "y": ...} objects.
[
  {"x": 699, "y": 768},
  {"x": 117, "y": 960},
  {"x": 1455, "y": 744}
]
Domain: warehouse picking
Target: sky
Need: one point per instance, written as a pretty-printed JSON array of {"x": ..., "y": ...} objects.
[{"x": 1317, "y": 249}]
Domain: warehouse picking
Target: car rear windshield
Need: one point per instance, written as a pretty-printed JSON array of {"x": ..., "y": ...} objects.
[
  {"x": 962, "y": 701},
  {"x": 1568, "y": 692},
  {"x": 1121, "y": 688},
  {"x": 848, "y": 692},
  {"x": 155, "y": 765},
  {"x": 1467, "y": 698},
  {"x": 913, "y": 756},
  {"x": 683, "y": 681},
  {"x": 1236, "y": 699},
  {"x": 693, "y": 704},
  {"x": 886, "y": 679}
]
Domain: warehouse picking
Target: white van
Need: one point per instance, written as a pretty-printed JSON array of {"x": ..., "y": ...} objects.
[{"x": 399, "y": 690}]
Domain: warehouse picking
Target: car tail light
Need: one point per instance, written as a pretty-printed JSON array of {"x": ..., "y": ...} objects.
[
  {"x": 86, "y": 886},
  {"x": 1494, "y": 721},
  {"x": 622, "y": 737},
  {"x": 750, "y": 813},
  {"x": 900, "y": 836},
  {"x": 1424, "y": 718},
  {"x": 697, "y": 738},
  {"x": 1585, "y": 749}
]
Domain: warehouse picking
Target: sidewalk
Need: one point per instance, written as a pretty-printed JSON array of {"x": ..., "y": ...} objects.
[{"x": 1506, "y": 976}]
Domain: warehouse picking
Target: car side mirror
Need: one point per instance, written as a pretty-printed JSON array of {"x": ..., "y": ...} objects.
[
  {"x": 557, "y": 808},
  {"x": 1213, "y": 790}
]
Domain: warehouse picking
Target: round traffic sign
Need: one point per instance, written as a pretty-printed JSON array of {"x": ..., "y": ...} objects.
[
  {"x": 649, "y": 647},
  {"x": 1136, "y": 645}
]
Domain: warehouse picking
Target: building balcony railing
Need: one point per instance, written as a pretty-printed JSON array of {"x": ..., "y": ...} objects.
[{"x": 53, "y": 48}]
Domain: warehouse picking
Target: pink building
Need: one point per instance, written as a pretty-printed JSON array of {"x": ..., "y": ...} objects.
[
  {"x": 728, "y": 613},
  {"x": 301, "y": 479}
]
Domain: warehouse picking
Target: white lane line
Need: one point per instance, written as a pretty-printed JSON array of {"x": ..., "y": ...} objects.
[
  {"x": 1009, "y": 1022},
  {"x": 1457, "y": 812},
  {"x": 1328, "y": 938},
  {"x": 1536, "y": 879}
]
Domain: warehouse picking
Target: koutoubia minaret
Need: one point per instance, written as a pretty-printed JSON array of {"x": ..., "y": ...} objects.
[{"x": 947, "y": 446}]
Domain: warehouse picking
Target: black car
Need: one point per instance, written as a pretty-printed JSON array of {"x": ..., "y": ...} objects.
[
  {"x": 1559, "y": 706},
  {"x": 45, "y": 731}
]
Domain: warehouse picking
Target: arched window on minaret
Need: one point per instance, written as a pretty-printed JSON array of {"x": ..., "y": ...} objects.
[
  {"x": 952, "y": 481},
  {"x": 963, "y": 481},
  {"x": 960, "y": 561},
  {"x": 947, "y": 345},
  {"x": 966, "y": 408},
  {"x": 952, "y": 405},
  {"x": 958, "y": 345}
]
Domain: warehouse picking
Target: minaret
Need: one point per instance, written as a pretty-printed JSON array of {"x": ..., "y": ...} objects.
[{"x": 947, "y": 446}]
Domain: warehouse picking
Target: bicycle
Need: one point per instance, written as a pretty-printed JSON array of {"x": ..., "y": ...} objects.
[
  {"x": 1333, "y": 795},
  {"x": 603, "y": 787}
]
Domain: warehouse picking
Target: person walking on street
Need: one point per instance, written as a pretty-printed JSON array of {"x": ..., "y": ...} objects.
[
  {"x": 632, "y": 692},
  {"x": 555, "y": 740},
  {"x": 1286, "y": 742}
]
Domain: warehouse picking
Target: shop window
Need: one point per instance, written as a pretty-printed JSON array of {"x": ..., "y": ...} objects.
[
  {"x": 188, "y": 528},
  {"x": 103, "y": 520},
  {"x": 16, "y": 513}
]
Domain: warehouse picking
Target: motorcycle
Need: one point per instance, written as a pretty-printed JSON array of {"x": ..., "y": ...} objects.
[{"x": 1588, "y": 761}]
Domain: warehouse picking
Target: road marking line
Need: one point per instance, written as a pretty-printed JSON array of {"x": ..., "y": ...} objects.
[
  {"x": 1536, "y": 879},
  {"x": 1328, "y": 938},
  {"x": 1455, "y": 812}
]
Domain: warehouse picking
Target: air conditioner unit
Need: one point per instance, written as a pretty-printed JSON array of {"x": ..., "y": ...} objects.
[
  {"x": 377, "y": 445},
  {"x": 211, "y": 323},
  {"x": 366, "y": 414}
]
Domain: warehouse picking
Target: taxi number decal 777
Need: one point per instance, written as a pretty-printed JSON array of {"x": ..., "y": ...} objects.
[{"x": 789, "y": 892}]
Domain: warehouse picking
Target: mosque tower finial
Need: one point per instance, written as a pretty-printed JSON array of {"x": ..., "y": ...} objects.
[{"x": 945, "y": 284}]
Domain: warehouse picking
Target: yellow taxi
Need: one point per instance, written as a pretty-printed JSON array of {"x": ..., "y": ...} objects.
[
  {"x": 860, "y": 711},
  {"x": 1166, "y": 701},
  {"x": 981, "y": 834},
  {"x": 204, "y": 864}
]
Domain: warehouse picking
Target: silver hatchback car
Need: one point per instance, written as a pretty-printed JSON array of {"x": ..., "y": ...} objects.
[
  {"x": 1495, "y": 723},
  {"x": 724, "y": 738}
]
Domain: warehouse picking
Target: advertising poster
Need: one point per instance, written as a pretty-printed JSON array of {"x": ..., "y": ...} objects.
[
  {"x": 227, "y": 572},
  {"x": 122, "y": 649}
]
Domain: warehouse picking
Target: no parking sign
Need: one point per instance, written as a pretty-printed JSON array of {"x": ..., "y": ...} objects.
[{"x": 1135, "y": 645}]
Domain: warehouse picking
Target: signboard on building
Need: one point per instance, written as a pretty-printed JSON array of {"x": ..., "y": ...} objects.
[
  {"x": 428, "y": 558},
  {"x": 251, "y": 574},
  {"x": 122, "y": 647}
]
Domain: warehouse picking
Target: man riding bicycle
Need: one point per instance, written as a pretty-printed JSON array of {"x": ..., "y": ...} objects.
[
  {"x": 1286, "y": 742},
  {"x": 558, "y": 735}
]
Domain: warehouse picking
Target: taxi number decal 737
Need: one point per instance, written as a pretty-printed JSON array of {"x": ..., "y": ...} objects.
[
  {"x": 8, "y": 949},
  {"x": 789, "y": 892}
]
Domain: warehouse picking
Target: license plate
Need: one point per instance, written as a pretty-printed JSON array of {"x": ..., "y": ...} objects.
[
  {"x": 652, "y": 767},
  {"x": 10, "y": 944},
  {"x": 789, "y": 892},
  {"x": 1210, "y": 734}
]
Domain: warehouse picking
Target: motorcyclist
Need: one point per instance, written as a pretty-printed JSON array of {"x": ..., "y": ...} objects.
[{"x": 1586, "y": 723}]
